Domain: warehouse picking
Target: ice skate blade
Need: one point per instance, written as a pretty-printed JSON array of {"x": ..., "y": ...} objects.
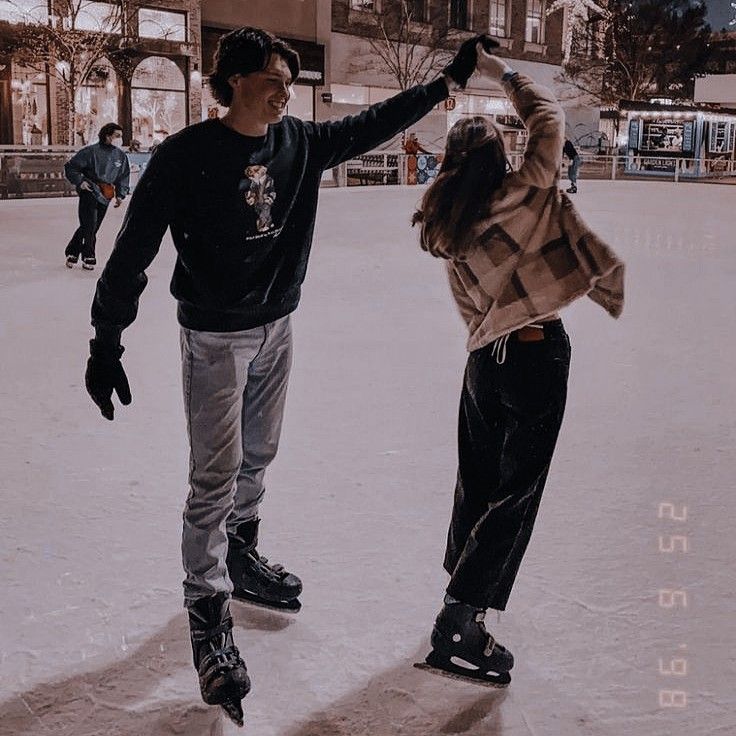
[
  {"x": 293, "y": 606},
  {"x": 456, "y": 673},
  {"x": 234, "y": 711}
]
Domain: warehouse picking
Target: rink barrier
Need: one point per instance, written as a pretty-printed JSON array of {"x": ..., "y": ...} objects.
[
  {"x": 40, "y": 172},
  {"x": 409, "y": 169}
]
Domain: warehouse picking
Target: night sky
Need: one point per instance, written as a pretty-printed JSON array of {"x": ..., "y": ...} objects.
[{"x": 720, "y": 13}]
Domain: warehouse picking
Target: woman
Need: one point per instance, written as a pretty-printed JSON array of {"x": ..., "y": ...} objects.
[{"x": 516, "y": 253}]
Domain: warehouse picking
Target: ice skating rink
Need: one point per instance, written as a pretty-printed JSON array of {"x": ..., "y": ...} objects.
[{"x": 613, "y": 634}]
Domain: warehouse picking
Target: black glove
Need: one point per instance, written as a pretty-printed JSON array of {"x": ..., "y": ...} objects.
[
  {"x": 461, "y": 68},
  {"x": 105, "y": 373}
]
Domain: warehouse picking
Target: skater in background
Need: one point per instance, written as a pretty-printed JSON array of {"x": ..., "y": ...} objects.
[
  {"x": 576, "y": 161},
  {"x": 240, "y": 195},
  {"x": 516, "y": 252},
  {"x": 100, "y": 173},
  {"x": 412, "y": 145}
]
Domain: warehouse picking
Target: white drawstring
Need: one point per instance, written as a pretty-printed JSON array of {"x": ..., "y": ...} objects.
[{"x": 498, "y": 349}]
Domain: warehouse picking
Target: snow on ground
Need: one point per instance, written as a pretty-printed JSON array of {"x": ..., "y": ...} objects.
[{"x": 92, "y": 634}]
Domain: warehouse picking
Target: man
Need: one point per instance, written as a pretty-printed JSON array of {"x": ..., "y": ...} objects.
[
  {"x": 240, "y": 196},
  {"x": 100, "y": 173},
  {"x": 575, "y": 161},
  {"x": 413, "y": 146}
]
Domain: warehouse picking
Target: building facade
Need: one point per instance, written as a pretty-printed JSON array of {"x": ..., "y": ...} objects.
[
  {"x": 528, "y": 38},
  {"x": 148, "y": 80},
  {"x": 154, "y": 83}
]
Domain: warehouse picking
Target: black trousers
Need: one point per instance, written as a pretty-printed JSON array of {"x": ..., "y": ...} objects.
[
  {"x": 510, "y": 416},
  {"x": 91, "y": 214}
]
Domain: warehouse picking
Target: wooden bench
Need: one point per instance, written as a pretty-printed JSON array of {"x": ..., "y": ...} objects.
[{"x": 22, "y": 174}]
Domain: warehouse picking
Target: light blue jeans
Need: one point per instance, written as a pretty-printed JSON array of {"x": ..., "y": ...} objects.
[
  {"x": 573, "y": 169},
  {"x": 234, "y": 396}
]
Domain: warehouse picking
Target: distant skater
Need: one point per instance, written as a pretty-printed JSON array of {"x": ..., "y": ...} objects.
[
  {"x": 576, "y": 161},
  {"x": 100, "y": 173},
  {"x": 516, "y": 253}
]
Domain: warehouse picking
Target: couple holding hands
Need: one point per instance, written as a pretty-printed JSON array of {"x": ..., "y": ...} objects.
[{"x": 240, "y": 196}]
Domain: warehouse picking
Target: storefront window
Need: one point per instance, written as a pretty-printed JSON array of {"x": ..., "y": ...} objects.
[
  {"x": 535, "y": 21},
  {"x": 97, "y": 102},
  {"x": 667, "y": 135},
  {"x": 162, "y": 24},
  {"x": 159, "y": 100},
  {"x": 721, "y": 137},
  {"x": 349, "y": 94},
  {"x": 30, "y": 109},
  {"x": 301, "y": 102},
  {"x": 497, "y": 23}
]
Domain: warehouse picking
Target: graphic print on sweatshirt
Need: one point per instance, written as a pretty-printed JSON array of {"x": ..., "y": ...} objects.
[{"x": 259, "y": 192}]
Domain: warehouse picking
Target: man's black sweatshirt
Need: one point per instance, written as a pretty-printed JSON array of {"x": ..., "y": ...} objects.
[{"x": 241, "y": 212}]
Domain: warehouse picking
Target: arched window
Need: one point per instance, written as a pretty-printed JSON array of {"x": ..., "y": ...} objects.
[
  {"x": 159, "y": 100},
  {"x": 30, "y": 114},
  {"x": 97, "y": 102}
]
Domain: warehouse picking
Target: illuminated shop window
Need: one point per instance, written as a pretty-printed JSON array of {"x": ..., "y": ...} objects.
[
  {"x": 349, "y": 94},
  {"x": 97, "y": 103},
  {"x": 30, "y": 109},
  {"x": 301, "y": 102},
  {"x": 162, "y": 24},
  {"x": 159, "y": 100},
  {"x": 721, "y": 137}
]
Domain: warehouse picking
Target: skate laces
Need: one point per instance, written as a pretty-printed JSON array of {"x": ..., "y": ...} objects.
[{"x": 498, "y": 349}]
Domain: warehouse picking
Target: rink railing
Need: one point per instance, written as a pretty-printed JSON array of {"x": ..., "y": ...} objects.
[
  {"x": 39, "y": 173},
  {"x": 391, "y": 167}
]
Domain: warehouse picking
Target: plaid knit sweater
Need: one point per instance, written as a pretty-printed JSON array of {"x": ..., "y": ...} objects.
[{"x": 533, "y": 253}]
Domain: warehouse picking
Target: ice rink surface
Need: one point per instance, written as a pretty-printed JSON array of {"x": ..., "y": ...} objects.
[{"x": 93, "y": 638}]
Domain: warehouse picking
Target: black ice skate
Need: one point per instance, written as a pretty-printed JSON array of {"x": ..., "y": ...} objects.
[
  {"x": 254, "y": 579},
  {"x": 572, "y": 190},
  {"x": 462, "y": 648},
  {"x": 71, "y": 261},
  {"x": 88, "y": 264},
  {"x": 223, "y": 677}
]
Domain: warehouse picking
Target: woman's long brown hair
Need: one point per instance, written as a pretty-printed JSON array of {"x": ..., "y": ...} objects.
[{"x": 474, "y": 166}]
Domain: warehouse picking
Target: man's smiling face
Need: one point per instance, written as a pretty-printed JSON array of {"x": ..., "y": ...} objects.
[{"x": 264, "y": 94}]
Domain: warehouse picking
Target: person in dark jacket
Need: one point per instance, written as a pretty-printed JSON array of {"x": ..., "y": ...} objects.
[
  {"x": 100, "y": 173},
  {"x": 576, "y": 161},
  {"x": 240, "y": 197}
]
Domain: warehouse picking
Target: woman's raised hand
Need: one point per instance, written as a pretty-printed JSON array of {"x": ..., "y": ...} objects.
[{"x": 490, "y": 65}]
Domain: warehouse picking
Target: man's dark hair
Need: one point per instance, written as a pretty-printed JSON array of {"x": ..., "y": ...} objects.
[
  {"x": 108, "y": 129},
  {"x": 245, "y": 51}
]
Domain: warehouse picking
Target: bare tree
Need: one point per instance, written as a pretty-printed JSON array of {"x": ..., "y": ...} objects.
[
  {"x": 407, "y": 43},
  {"x": 69, "y": 41},
  {"x": 639, "y": 49}
]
